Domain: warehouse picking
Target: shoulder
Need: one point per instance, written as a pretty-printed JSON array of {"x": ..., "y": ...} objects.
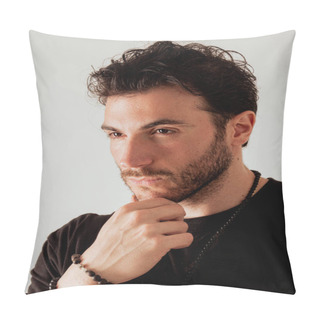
[
  {"x": 269, "y": 186},
  {"x": 85, "y": 225},
  {"x": 267, "y": 207},
  {"x": 87, "y": 219}
]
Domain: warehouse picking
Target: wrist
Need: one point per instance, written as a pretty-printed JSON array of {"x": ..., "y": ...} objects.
[
  {"x": 74, "y": 276},
  {"x": 78, "y": 261},
  {"x": 93, "y": 262},
  {"x": 79, "y": 274}
]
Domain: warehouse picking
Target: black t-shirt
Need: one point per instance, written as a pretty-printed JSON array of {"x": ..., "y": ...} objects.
[{"x": 251, "y": 253}]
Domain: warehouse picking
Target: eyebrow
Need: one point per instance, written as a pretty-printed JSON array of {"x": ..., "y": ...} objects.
[{"x": 150, "y": 125}]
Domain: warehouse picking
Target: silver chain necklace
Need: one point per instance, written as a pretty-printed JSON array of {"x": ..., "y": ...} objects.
[{"x": 212, "y": 242}]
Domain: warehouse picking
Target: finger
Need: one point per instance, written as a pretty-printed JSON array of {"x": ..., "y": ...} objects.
[
  {"x": 171, "y": 227},
  {"x": 180, "y": 218},
  {"x": 178, "y": 241},
  {"x": 166, "y": 212},
  {"x": 134, "y": 198},
  {"x": 145, "y": 204}
]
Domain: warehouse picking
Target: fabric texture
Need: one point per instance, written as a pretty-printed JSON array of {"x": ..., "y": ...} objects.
[
  {"x": 251, "y": 254},
  {"x": 79, "y": 174}
]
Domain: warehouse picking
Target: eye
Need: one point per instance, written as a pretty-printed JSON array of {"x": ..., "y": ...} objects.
[
  {"x": 164, "y": 131},
  {"x": 114, "y": 135}
]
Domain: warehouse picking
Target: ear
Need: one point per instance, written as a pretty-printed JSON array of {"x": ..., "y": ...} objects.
[{"x": 242, "y": 126}]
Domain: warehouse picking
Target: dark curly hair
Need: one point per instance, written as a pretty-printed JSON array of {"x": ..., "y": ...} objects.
[{"x": 227, "y": 84}]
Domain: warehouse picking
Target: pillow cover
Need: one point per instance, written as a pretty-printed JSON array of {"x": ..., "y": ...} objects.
[{"x": 195, "y": 129}]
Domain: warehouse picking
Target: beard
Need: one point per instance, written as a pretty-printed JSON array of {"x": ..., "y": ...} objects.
[{"x": 193, "y": 182}]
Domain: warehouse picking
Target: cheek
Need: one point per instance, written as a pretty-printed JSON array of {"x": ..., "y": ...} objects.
[
  {"x": 174, "y": 153},
  {"x": 177, "y": 153}
]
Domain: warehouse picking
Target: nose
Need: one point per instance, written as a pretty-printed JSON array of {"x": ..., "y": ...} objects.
[{"x": 135, "y": 153}]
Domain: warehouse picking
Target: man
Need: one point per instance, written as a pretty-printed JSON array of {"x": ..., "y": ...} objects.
[{"x": 178, "y": 118}]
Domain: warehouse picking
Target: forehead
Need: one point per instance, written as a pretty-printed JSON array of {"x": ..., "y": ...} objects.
[{"x": 163, "y": 102}]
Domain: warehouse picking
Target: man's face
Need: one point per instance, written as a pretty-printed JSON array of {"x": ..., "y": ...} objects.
[{"x": 164, "y": 145}]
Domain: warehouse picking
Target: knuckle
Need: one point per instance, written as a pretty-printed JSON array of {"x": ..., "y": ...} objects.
[
  {"x": 147, "y": 231},
  {"x": 125, "y": 208},
  {"x": 136, "y": 217},
  {"x": 156, "y": 242}
]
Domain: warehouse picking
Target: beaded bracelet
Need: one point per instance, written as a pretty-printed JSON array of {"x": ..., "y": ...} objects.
[
  {"x": 53, "y": 283},
  {"x": 76, "y": 259}
]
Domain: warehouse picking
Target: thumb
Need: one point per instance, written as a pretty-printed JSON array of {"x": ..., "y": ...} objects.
[{"x": 134, "y": 198}]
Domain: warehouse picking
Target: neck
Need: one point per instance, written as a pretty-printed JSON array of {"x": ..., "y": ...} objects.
[{"x": 228, "y": 191}]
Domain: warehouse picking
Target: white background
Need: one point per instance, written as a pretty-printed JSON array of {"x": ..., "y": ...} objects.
[{"x": 20, "y": 167}]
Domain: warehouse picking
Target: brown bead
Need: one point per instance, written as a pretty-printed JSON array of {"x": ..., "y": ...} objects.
[
  {"x": 97, "y": 278},
  {"x": 75, "y": 256},
  {"x": 91, "y": 273},
  {"x": 104, "y": 281}
]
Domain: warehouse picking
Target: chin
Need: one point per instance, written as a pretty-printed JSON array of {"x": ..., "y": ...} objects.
[
  {"x": 151, "y": 195},
  {"x": 148, "y": 197}
]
